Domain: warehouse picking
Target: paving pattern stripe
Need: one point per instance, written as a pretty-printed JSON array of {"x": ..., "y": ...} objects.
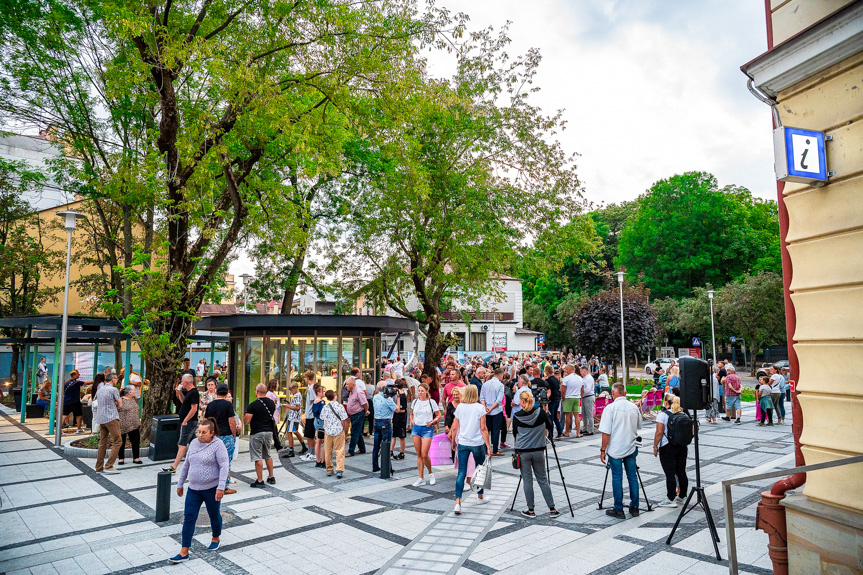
[
  {"x": 39, "y": 479},
  {"x": 471, "y": 534}
]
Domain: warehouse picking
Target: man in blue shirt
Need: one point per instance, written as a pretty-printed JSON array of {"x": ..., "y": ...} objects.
[
  {"x": 477, "y": 379},
  {"x": 491, "y": 396},
  {"x": 384, "y": 409}
]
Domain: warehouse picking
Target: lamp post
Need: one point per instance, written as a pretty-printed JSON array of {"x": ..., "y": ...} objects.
[
  {"x": 245, "y": 278},
  {"x": 622, "y": 344},
  {"x": 712, "y": 329},
  {"x": 70, "y": 218}
]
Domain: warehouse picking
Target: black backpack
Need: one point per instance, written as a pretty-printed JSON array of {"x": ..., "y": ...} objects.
[{"x": 679, "y": 428}]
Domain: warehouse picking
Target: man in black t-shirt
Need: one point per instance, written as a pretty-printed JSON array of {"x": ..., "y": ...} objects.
[
  {"x": 553, "y": 382},
  {"x": 538, "y": 381},
  {"x": 260, "y": 419},
  {"x": 223, "y": 412},
  {"x": 188, "y": 413}
]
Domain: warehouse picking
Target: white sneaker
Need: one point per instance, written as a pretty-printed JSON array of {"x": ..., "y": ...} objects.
[
  {"x": 419, "y": 482},
  {"x": 668, "y": 503},
  {"x": 680, "y": 500},
  {"x": 457, "y": 509},
  {"x": 482, "y": 501},
  {"x": 431, "y": 479}
]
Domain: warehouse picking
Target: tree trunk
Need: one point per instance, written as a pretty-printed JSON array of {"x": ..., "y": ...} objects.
[
  {"x": 163, "y": 371},
  {"x": 13, "y": 367},
  {"x": 435, "y": 347},
  {"x": 293, "y": 281},
  {"x": 118, "y": 355}
]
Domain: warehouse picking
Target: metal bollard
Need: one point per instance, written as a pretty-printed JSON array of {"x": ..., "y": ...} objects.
[
  {"x": 385, "y": 460},
  {"x": 163, "y": 496}
]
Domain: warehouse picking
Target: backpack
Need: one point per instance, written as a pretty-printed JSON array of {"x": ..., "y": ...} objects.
[{"x": 679, "y": 428}]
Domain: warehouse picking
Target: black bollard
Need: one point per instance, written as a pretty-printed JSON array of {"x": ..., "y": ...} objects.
[
  {"x": 163, "y": 496},
  {"x": 385, "y": 460}
]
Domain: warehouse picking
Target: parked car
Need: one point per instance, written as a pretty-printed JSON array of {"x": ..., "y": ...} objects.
[
  {"x": 764, "y": 369},
  {"x": 664, "y": 363}
]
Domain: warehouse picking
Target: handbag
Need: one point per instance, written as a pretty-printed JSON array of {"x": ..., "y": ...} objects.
[
  {"x": 516, "y": 460},
  {"x": 482, "y": 476}
]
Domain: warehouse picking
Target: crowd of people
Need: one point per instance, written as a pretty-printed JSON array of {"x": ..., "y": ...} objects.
[{"x": 473, "y": 406}]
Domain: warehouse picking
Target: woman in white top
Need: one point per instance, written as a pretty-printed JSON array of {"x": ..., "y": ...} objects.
[
  {"x": 671, "y": 457},
  {"x": 425, "y": 414},
  {"x": 471, "y": 435}
]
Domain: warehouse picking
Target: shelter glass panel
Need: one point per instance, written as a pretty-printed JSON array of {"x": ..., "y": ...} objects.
[
  {"x": 253, "y": 367},
  {"x": 327, "y": 362}
]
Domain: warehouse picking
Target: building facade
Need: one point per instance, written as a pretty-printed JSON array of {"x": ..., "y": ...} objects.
[{"x": 812, "y": 75}]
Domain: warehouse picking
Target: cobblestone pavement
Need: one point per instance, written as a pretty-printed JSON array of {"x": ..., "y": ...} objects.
[{"x": 59, "y": 516}]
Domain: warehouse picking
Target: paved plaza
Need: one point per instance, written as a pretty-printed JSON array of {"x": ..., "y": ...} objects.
[{"x": 60, "y": 516}]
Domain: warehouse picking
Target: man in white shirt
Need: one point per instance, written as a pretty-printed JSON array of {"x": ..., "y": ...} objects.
[
  {"x": 570, "y": 390},
  {"x": 619, "y": 426},
  {"x": 491, "y": 396},
  {"x": 587, "y": 399}
]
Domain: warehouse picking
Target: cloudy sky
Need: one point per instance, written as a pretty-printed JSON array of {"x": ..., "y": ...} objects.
[{"x": 650, "y": 88}]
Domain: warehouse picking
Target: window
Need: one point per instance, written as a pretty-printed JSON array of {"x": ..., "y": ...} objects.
[
  {"x": 477, "y": 341},
  {"x": 460, "y": 345}
]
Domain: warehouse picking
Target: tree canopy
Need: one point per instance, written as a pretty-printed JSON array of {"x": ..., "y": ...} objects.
[{"x": 687, "y": 232}]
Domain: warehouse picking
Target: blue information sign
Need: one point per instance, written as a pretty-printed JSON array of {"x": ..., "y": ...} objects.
[{"x": 696, "y": 341}]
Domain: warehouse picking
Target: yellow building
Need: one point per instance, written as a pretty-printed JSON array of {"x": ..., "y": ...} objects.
[{"x": 812, "y": 73}]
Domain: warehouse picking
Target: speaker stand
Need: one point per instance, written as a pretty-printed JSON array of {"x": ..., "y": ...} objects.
[{"x": 700, "y": 500}]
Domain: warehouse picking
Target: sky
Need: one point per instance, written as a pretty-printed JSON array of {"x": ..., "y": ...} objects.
[{"x": 650, "y": 88}]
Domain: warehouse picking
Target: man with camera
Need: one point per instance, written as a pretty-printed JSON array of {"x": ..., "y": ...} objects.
[
  {"x": 619, "y": 426},
  {"x": 384, "y": 408}
]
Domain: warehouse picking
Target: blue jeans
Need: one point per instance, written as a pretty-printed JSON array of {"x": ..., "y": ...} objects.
[
  {"x": 553, "y": 406},
  {"x": 230, "y": 442},
  {"x": 464, "y": 452},
  {"x": 617, "y": 466},
  {"x": 44, "y": 403},
  {"x": 194, "y": 499},
  {"x": 383, "y": 432},
  {"x": 357, "y": 421}
]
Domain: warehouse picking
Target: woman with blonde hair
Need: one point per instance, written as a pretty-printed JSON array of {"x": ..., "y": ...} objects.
[
  {"x": 470, "y": 435},
  {"x": 671, "y": 457},
  {"x": 530, "y": 426},
  {"x": 425, "y": 414}
]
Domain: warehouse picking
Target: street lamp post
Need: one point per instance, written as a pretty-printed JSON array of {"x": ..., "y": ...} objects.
[
  {"x": 622, "y": 344},
  {"x": 245, "y": 278},
  {"x": 712, "y": 329},
  {"x": 70, "y": 220}
]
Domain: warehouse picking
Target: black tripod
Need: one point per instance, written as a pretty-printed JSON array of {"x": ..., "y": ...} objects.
[
  {"x": 640, "y": 482},
  {"x": 700, "y": 500},
  {"x": 548, "y": 474}
]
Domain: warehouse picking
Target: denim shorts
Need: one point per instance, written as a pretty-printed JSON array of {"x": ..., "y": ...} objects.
[
  {"x": 424, "y": 431},
  {"x": 732, "y": 402},
  {"x": 188, "y": 432}
]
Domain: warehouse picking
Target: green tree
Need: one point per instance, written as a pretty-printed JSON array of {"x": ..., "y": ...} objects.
[
  {"x": 221, "y": 99},
  {"x": 596, "y": 324},
  {"x": 27, "y": 258},
  {"x": 687, "y": 232},
  {"x": 754, "y": 308},
  {"x": 609, "y": 222},
  {"x": 451, "y": 180}
]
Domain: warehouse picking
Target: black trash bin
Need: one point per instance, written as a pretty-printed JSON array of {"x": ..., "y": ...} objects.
[
  {"x": 87, "y": 413},
  {"x": 164, "y": 435},
  {"x": 17, "y": 394}
]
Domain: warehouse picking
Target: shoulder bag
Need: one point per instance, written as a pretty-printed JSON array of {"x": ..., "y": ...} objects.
[
  {"x": 276, "y": 442},
  {"x": 482, "y": 476}
]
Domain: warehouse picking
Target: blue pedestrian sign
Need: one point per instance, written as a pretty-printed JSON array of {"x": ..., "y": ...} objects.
[
  {"x": 540, "y": 339},
  {"x": 733, "y": 339},
  {"x": 696, "y": 341}
]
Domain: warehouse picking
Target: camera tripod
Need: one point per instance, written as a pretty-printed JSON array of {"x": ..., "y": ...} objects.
[
  {"x": 640, "y": 483},
  {"x": 548, "y": 474},
  {"x": 701, "y": 498}
]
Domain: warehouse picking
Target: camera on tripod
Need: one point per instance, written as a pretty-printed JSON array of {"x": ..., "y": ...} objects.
[{"x": 540, "y": 395}]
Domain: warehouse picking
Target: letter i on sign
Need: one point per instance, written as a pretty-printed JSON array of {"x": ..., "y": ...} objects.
[{"x": 805, "y": 153}]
